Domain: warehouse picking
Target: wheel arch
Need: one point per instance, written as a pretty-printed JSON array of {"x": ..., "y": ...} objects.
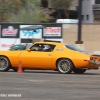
[
  {"x": 64, "y": 58},
  {"x": 7, "y": 58}
]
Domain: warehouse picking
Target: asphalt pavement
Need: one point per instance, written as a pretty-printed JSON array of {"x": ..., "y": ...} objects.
[{"x": 49, "y": 85}]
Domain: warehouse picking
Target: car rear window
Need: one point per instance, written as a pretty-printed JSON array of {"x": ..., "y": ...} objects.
[{"x": 72, "y": 47}]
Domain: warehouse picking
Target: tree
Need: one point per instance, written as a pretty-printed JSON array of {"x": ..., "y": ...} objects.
[
  {"x": 61, "y": 7},
  {"x": 30, "y": 10},
  {"x": 22, "y": 11},
  {"x": 25, "y": 16},
  {"x": 7, "y": 7},
  {"x": 25, "y": 11}
]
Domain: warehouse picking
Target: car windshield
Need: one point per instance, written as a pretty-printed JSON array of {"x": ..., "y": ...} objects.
[{"x": 72, "y": 47}]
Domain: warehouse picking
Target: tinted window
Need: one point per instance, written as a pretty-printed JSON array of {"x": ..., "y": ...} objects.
[
  {"x": 42, "y": 47},
  {"x": 74, "y": 48}
]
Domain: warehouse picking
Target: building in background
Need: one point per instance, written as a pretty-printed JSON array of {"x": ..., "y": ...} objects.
[
  {"x": 87, "y": 11},
  {"x": 96, "y": 10},
  {"x": 90, "y": 11},
  {"x": 73, "y": 13}
]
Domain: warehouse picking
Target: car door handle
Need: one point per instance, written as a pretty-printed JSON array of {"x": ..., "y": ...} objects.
[{"x": 49, "y": 55}]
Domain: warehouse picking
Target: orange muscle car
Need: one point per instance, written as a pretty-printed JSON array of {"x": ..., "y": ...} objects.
[{"x": 49, "y": 56}]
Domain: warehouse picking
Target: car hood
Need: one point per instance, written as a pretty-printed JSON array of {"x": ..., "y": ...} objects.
[{"x": 10, "y": 53}]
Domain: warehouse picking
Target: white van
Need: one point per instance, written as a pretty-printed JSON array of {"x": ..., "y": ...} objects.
[{"x": 66, "y": 21}]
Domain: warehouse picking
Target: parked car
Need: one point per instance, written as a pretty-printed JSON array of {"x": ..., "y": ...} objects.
[
  {"x": 48, "y": 56},
  {"x": 20, "y": 47},
  {"x": 17, "y": 47}
]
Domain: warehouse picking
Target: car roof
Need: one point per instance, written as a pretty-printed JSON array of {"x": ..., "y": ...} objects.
[{"x": 54, "y": 43}]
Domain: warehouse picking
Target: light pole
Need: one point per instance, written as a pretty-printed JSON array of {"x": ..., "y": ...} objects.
[
  {"x": 79, "y": 23},
  {"x": 79, "y": 41}
]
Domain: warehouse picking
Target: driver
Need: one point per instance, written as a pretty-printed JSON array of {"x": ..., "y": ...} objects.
[{"x": 47, "y": 48}]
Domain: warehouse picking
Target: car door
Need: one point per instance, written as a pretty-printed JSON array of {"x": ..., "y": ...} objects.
[{"x": 36, "y": 58}]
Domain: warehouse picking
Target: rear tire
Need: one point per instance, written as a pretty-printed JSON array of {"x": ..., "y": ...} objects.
[
  {"x": 4, "y": 64},
  {"x": 65, "y": 66},
  {"x": 79, "y": 71}
]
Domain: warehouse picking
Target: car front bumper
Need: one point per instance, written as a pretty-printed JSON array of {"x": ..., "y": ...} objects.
[
  {"x": 94, "y": 60},
  {"x": 95, "y": 63}
]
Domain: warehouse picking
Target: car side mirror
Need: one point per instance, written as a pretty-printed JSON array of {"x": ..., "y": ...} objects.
[{"x": 28, "y": 50}]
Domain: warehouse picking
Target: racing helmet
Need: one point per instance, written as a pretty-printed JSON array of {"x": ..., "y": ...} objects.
[{"x": 47, "y": 47}]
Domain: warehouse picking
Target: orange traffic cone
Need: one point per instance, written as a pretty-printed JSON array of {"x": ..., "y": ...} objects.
[{"x": 20, "y": 69}]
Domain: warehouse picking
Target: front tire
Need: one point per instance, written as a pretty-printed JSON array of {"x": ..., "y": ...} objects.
[
  {"x": 65, "y": 66},
  {"x": 4, "y": 64},
  {"x": 79, "y": 71}
]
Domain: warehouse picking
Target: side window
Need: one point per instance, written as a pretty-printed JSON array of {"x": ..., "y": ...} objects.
[
  {"x": 48, "y": 48},
  {"x": 37, "y": 47},
  {"x": 43, "y": 47}
]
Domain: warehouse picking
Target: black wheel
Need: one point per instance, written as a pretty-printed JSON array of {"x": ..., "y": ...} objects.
[
  {"x": 4, "y": 64},
  {"x": 79, "y": 71},
  {"x": 14, "y": 69},
  {"x": 65, "y": 66}
]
